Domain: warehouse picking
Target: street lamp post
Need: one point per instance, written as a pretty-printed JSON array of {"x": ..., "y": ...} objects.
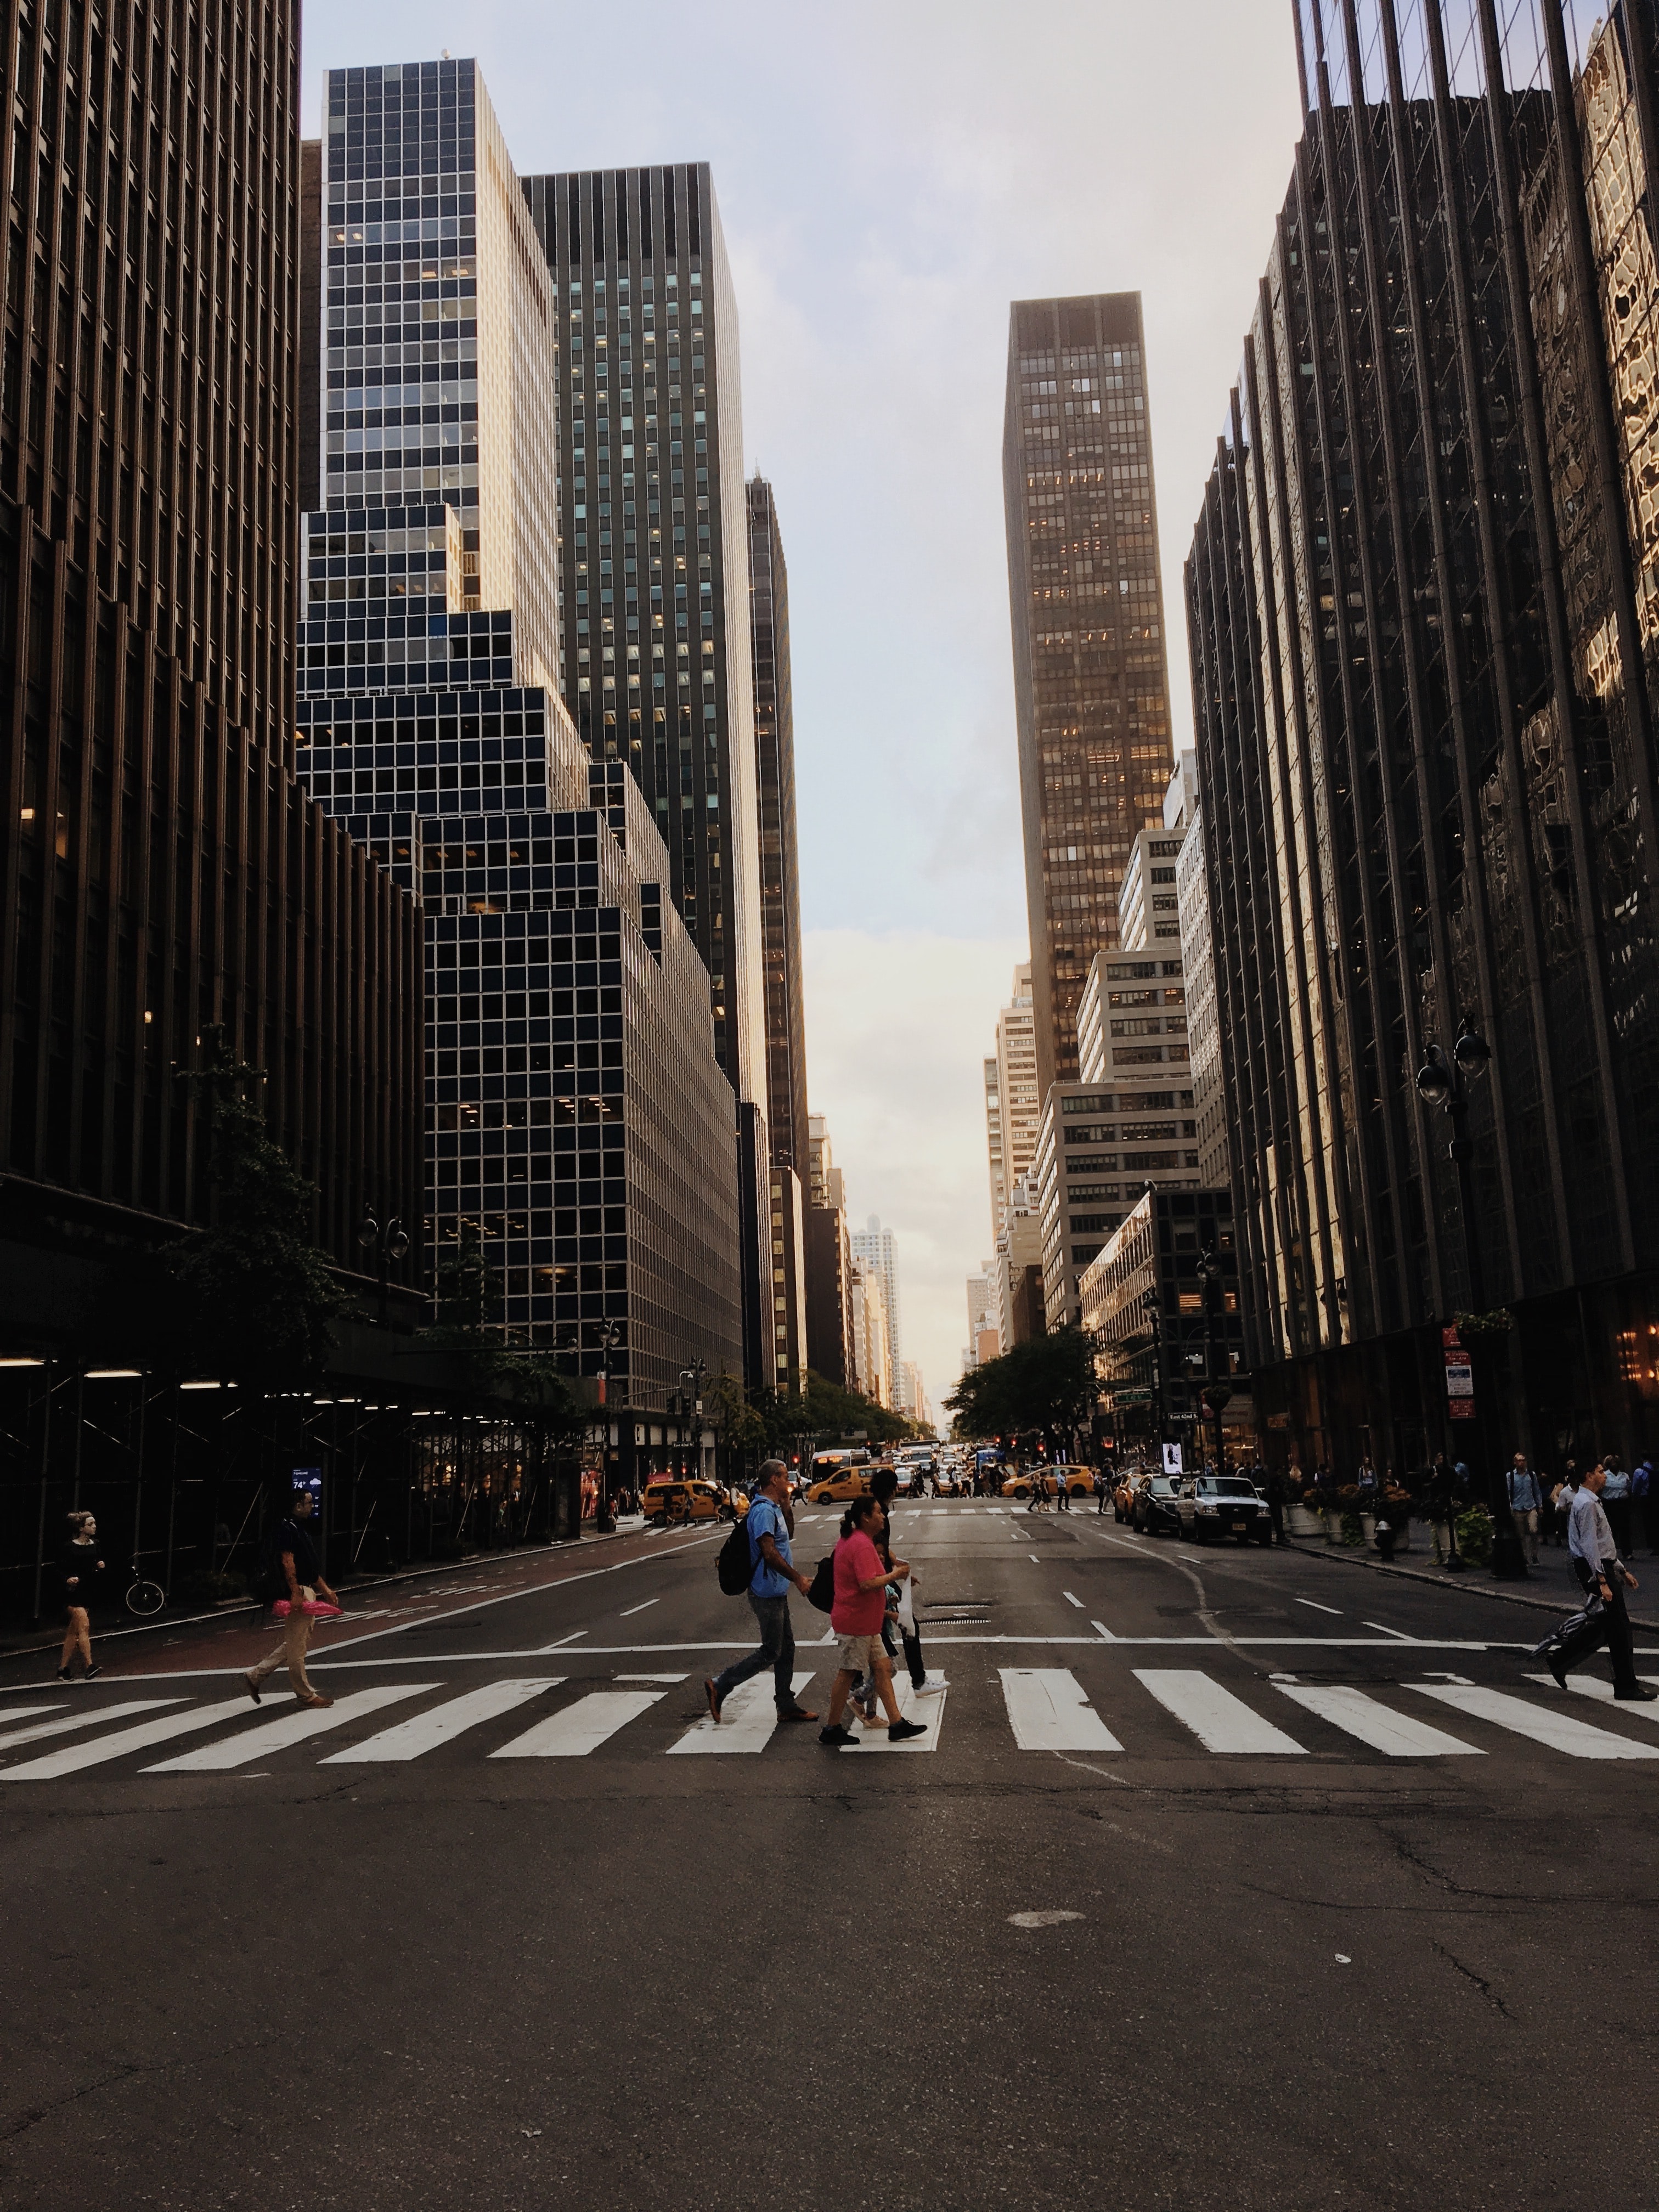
[
  {"x": 1150, "y": 1306},
  {"x": 389, "y": 1241},
  {"x": 1443, "y": 1080},
  {"x": 609, "y": 1337}
]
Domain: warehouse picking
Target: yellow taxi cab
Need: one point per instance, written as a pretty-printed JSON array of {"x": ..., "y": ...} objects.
[
  {"x": 680, "y": 1497},
  {"x": 837, "y": 1483},
  {"x": 1079, "y": 1482}
]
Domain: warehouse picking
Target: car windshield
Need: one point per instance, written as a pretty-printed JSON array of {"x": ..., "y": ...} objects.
[
  {"x": 1162, "y": 1484},
  {"x": 1225, "y": 1485}
]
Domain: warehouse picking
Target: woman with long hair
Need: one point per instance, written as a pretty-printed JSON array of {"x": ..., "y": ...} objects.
[{"x": 82, "y": 1571}]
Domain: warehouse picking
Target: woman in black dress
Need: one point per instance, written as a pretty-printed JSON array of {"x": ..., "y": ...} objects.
[{"x": 83, "y": 1572}]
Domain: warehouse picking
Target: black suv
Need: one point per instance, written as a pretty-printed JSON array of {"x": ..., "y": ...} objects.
[
  {"x": 1156, "y": 1510},
  {"x": 1223, "y": 1506}
]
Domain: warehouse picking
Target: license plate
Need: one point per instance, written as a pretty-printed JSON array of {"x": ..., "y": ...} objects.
[{"x": 1239, "y": 1528}]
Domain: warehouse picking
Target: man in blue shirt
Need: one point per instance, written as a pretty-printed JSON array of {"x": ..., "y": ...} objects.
[
  {"x": 1601, "y": 1571},
  {"x": 1526, "y": 1503},
  {"x": 772, "y": 1575}
]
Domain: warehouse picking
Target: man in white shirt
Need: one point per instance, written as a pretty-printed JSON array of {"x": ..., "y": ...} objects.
[{"x": 1596, "y": 1562}]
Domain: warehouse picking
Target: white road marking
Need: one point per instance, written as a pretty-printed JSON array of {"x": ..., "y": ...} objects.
[
  {"x": 1358, "y": 1715},
  {"x": 651, "y": 1677},
  {"x": 1383, "y": 1629},
  {"x": 1041, "y": 1919},
  {"x": 77, "y": 1756},
  {"x": 582, "y": 1727},
  {"x": 1313, "y": 1603},
  {"x": 574, "y": 1637},
  {"x": 1101, "y": 1629},
  {"x": 410, "y": 1739},
  {"x": 1592, "y": 1686},
  {"x": 747, "y": 1720},
  {"x": 1033, "y": 1557},
  {"x": 29, "y": 1713},
  {"x": 630, "y": 1611},
  {"x": 89, "y": 1718},
  {"x": 242, "y": 1749},
  {"x": 930, "y": 1711},
  {"x": 1545, "y": 1724},
  {"x": 1220, "y": 1721},
  {"x": 1048, "y": 1711},
  {"x": 1072, "y": 1600}
]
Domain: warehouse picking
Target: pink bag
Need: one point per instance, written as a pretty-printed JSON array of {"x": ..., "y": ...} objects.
[{"x": 318, "y": 1608}]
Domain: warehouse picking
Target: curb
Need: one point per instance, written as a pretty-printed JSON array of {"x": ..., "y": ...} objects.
[
  {"x": 1341, "y": 1557},
  {"x": 241, "y": 1607}
]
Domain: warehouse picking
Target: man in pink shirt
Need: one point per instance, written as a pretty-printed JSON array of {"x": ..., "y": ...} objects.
[{"x": 861, "y": 1581}]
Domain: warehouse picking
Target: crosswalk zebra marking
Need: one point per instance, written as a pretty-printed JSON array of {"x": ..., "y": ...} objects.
[
  {"x": 75, "y": 1757},
  {"x": 1592, "y": 1686},
  {"x": 748, "y": 1719},
  {"x": 412, "y": 1739},
  {"x": 930, "y": 1711},
  {"x": 1221, "y": 1721},
  {"x": 1358, "y": 1714},
  {"x": 296, "y": 1727},
  {"x": 88, "y": 1718},
  {"x": 1545, "y": 1724},
  {"x": 1048, "y": 1711},
  {"x": 581, "y": 1728}
]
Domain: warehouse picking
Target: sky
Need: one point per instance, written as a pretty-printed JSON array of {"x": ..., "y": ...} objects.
[{"x": 890, "y": 175}]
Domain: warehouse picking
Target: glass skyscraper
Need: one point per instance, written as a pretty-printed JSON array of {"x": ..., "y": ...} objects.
[
  {"x": 580, "y": 1129},
  {"x": 1091, "y": 678}
]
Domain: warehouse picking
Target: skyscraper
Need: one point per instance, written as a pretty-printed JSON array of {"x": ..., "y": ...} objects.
[
  {"x": 1013, "y": 1103},
  {"x": 579, "y": 1126},
  {"x": 1422, "y": 606},
  {"x": 829, "y": 1333},
  {"x": 876, "y": 1251},
  {"x": 780, "y": 871},
  {"x": 656, "y": 663},
  {"x": 162, "y": 870},
  {"x": 1090, "y": 677}
]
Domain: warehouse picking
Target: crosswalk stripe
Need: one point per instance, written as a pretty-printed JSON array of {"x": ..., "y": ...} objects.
[
  {"x": 930, "y": 1711},
  {"x": 410, "y": 1739},
  {"x": 747, "y": 1720},
  {"x": 1543, "y": 1724},
  {"x": 1220, "y": 1721},
  {"x": 581, "y": 1728},
  {"x": 1592, "y": 1686},
  {"x": 74, "y": 1757},
  {"x": 1048, "y": 1711},
  {"x": 26, "y": 1713},
  {"x": 251, "y": 1744},
  {"x": 1358, "y": 1715},
  {"x": 89, "y": 1718}
]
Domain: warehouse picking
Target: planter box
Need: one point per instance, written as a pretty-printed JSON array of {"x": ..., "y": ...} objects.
[
  {"x": 1368, "y": 1526},
  {"x": 1302, "y": 1521}
]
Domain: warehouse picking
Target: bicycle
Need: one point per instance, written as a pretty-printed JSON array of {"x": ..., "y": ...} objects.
[{"x": 144, "y": 1599}]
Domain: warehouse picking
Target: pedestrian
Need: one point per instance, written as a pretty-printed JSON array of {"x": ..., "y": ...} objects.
[
  {"x": 772, "y": 1575},
  {"x": 82, "y": 1571},
  {"x": 1615, "y": 1501},
  {"x": 1103, "y": 1487},
  {"x": 1602, "y": 1573},
  {"x": 1644, "y": 1500},
  {"x": 1443, "y": 1485},
  {"x": 1275, "y": 1488},
  {"x": 862, "y": 1578},
  {"x": 904, "y": 1615},
  {"x": 1063, "y": 1489},
  {"x": 1526, "y": 1502},
  {"x": 295, "y": 1573}
]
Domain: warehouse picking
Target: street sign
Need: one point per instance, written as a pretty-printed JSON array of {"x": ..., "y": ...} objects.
[
  {"x": 1132, "y": 1397},
  {"x": 1172, "y": 1460},
  {"x": 1460, "y": 1377}
]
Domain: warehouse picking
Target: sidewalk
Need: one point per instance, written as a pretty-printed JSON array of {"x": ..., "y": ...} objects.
[
  {"x": 25, "y": 1643},
  {"x": 1550, "y": 1587}
]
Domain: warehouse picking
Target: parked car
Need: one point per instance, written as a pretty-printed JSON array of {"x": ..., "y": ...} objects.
[
  {"x": 1156, "y": 1510},
  {"x": 1223, "y": 1506}
]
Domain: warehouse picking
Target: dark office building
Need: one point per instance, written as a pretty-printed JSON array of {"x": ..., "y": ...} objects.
[
  {"x": 780, "y": 866},
  {"x": 1425, "y": 656},
  {"x": 163, "y": 871},
  {"x": 579, "y": 1126},
  {"x": 1091, "y": 687}
]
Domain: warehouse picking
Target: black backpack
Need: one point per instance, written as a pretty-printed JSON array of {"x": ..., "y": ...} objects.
[
  {"x": 823, "y": 1591},
  {"x": 734, "y": 1565}
]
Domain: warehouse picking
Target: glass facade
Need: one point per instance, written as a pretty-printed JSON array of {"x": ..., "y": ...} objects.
[
  {"x": 1090, "y": 675},
  {"x": 1425, "y": 685},
  {"x": 579, "y": 1130}
]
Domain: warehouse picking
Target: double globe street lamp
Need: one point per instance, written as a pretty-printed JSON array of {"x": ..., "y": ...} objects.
[
  {"x": 389, "y": 1242},
  {"x": 1444, "y": 1080}
]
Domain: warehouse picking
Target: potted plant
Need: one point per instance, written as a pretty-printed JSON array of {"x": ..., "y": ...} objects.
[
  {"x": 1397, "y": 1511},
  {"x": 1303, "y": 1515}
]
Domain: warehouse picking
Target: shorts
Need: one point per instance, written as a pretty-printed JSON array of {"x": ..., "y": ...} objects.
[{"x": 859, "y": 1655}]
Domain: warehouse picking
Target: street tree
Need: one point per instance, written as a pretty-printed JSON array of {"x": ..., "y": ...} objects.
[{"x": 1045, "y": 1387}]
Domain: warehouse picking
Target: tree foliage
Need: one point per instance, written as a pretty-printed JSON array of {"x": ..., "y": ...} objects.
[{"x": 1045, "y": 1387}]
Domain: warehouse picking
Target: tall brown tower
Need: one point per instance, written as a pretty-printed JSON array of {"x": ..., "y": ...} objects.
[{"x": 1091, "y": 687}]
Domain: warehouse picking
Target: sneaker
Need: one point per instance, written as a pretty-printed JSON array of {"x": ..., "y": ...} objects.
[
  {"x": 903, "y": 1731},
  {"x": 253, "y": 1689},
  {"x": 1641, "y": 1695},
  {"x": 64, "y": 1675},
  {"x": 931, "y": 1687},
  {"x": 798, "y": 1713},
  {"x": 712, "y": 1696},
  {"x": 836, "y": 1739},
  {"x": 94, "y": 1671}
]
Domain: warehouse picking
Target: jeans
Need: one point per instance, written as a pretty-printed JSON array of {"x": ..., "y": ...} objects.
[
  {"x": 296, "y": 1638},
  {"x": 777, "y": 1651}
]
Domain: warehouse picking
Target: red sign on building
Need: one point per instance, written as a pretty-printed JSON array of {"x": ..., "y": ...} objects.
[{"x": 1460, "y": 1377}]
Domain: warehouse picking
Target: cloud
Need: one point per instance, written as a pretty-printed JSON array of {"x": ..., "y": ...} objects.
[{"x": 897, "y": 1026}]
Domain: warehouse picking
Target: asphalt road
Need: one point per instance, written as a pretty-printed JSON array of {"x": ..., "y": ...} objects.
[{"x": 1337, "y": 1928}]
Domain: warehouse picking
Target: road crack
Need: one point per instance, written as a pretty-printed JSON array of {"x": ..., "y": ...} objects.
[{"x": 1480, "y": 1981}]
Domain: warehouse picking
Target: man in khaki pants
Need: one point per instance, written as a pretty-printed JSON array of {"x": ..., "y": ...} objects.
[{"x": 296, "y": 1556}]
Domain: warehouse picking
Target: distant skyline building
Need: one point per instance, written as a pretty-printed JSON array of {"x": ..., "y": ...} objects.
[
  {"x": 1090, "y": 673},
  {"x": 580, "y": 1130},
  {"x": 1013, "y": 1103},
  {"x": 874, "y": 1247},
  {"x": 830, "y": 1333}
]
